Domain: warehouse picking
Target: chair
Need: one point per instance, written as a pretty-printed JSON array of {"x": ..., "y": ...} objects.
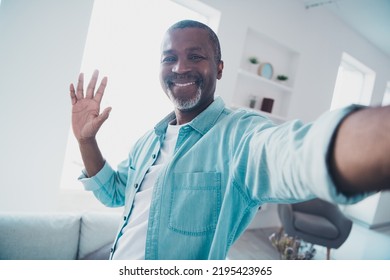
[{"x": 316, "y": 221}]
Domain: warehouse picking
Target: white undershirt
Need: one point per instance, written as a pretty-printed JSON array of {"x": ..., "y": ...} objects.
[{"x": 131, "y": 245}]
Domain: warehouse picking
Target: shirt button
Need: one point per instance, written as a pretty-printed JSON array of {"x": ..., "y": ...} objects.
[
  {"x": 154, "y": 156},
  {"x": 112, "y": 250},
  {"x": 124, "y": 218},
  {"x": 135, "y": 186}
]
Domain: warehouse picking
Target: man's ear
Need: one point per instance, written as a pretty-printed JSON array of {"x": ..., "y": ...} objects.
[{"x": 220, "y": 69}]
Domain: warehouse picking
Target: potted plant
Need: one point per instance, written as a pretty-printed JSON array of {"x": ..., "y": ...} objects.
[
  {"x": 253, "y": 64},
  {"x": 282, "y": 78},
  {"x": 291, "y": 248},
  {"x": 253, "y": 60}
]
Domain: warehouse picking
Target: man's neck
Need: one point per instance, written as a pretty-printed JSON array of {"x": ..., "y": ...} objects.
[{"x": 183, "y": 117}]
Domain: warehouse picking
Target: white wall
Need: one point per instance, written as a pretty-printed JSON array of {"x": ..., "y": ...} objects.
[
  {"x": 41, "y": 46},
  {"x": 382, "y": 216},
  {"x": 364, "y": 212}
]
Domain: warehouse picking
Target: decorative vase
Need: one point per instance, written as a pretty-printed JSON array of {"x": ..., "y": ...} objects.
[
  {"x": 252, "y": 101},
  {"x": 253, "y": 67}
]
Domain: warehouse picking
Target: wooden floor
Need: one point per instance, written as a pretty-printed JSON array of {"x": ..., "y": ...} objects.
[{"x": 254, "y": 245}]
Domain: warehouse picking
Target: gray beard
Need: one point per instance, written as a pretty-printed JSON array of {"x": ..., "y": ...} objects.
[{"x": 185, "y": 104}]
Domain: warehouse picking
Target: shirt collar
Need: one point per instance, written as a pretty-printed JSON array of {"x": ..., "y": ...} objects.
[{"x": 202, "y": 123}]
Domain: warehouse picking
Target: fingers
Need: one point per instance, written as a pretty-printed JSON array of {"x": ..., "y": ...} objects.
[
  {"x": 73, "y": 97},
  {"x": 90, "y": 93},
  {"x": 100, "y": 90},
  {"x": 92, "y": 84},
  {"x": 80, "y": 87}
]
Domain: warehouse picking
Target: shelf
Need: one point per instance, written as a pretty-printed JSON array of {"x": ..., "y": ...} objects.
[
  {"x": 251, "y": 86},
  {"x": 275, "y": 118},
  {"x": 264, "y": 80}
]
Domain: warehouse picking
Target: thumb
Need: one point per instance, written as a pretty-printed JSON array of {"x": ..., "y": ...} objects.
[{"x": 103, "y": 116}]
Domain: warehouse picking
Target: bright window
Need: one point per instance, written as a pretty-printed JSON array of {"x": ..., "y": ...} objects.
[
  {"x": 386, "y": 97},
  {"x": 123, "y": 42},
  {"x": 354, "y": 83}
]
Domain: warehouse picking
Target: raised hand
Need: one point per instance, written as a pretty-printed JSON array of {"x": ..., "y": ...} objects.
[{"x": 86, "y": 117}]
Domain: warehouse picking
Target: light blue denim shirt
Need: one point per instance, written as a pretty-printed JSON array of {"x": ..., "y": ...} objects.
[{"x": 226, "y": 164}]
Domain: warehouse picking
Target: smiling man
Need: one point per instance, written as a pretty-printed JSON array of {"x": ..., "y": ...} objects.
[
  {"x": 191, "y": 186},
  {"x": 190, "y": 67}
]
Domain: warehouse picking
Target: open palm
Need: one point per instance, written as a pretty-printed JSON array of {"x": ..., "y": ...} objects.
[{"x": 86, "y": 117}]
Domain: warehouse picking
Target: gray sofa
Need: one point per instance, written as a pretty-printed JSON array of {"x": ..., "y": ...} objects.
[{"x": 59, "y": 236}]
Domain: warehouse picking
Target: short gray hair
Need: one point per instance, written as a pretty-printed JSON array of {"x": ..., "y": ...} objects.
[{"x": 196, "y": 24}]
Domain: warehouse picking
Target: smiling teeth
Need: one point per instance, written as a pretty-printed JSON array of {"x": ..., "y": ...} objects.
[{"x": 184, "y": 85}]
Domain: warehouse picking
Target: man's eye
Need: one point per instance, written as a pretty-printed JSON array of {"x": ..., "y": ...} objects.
[
  {"x": 168, "y": 59},
  {"x": 195, "y": 57}
]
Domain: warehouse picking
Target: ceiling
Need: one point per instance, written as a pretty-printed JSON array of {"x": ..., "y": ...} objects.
[{"x": 370, "y": 18}]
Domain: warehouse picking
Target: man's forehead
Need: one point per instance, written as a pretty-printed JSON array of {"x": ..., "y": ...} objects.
[{"x": 189, "y": 37}]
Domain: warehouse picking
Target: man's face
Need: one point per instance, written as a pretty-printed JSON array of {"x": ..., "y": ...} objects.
[{"x": 189, "y": 72}]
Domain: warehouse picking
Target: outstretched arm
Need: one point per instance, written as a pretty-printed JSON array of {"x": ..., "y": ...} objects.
[
  {"x": 360, "y": 159},
  {"x": 87, "y": 120}
]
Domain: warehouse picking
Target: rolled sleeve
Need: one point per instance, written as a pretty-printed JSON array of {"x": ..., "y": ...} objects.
[
  {"x": 99, "y": 180},
  {"x": 319, "y": 142}
]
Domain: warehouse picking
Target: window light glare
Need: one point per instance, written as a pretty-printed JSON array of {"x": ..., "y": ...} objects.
[{"x": 133, "y": 90}]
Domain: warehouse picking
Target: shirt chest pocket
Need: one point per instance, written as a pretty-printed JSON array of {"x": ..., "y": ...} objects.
[{"x": 195, "y": 203}]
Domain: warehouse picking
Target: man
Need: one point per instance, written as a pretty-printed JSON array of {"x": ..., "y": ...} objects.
[{"x": 191, "y": 185}]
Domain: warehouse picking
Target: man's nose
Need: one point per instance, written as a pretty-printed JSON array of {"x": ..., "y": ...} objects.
[{"x": 181, "y": 66}]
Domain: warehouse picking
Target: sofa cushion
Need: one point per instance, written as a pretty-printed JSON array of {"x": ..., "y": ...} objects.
[
  {"x": 39, "y": 236},
  {"x": 103, "y": 253},
  {"x": 97, "y": 230}
]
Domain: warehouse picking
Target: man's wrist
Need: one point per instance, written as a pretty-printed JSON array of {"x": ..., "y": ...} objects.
[{"x": 87, "y": 141}]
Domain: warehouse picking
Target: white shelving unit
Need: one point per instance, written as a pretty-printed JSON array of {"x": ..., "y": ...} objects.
[
  {"x": 275, "y": 118},
  {"x": 273, "y": 83},
  {"x": 250, "y": 84}
]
